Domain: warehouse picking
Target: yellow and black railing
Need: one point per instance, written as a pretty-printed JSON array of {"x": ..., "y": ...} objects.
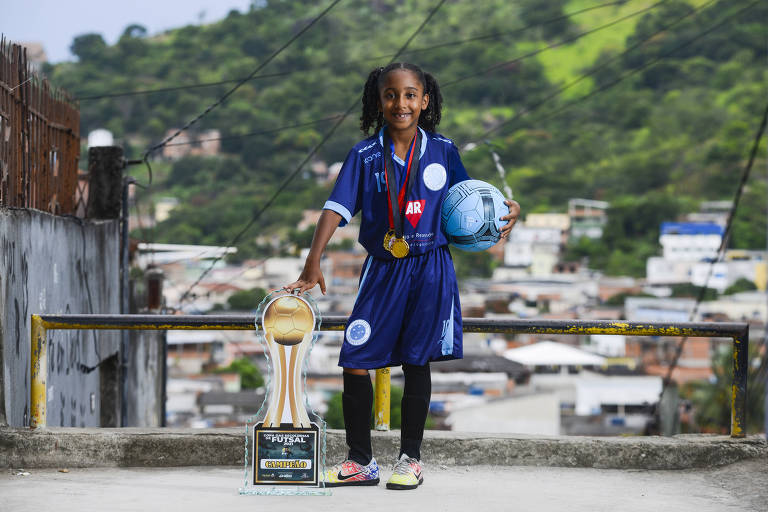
[{"x": 738, "y": 332}]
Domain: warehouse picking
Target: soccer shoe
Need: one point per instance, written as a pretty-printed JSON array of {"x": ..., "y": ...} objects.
[
  {"x": 406, "y": 474},
  {"x": 350, "y": 472}
]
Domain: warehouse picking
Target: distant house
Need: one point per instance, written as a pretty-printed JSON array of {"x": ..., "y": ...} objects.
[
  {"x": 590, "y": 403},
  {"x": 536, "y": 249},
  {"x": 588, "y": 217},
  {"x": 688, "y": 250},
  {"x": 205, "y": 143},
  {"x": 690, "y": 241}
]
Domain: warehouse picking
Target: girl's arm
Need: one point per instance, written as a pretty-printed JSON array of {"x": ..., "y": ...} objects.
[{"x": 311, "y": 275}]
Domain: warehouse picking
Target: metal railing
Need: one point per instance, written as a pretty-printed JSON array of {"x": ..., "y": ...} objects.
[
  {"x": 39, "y": 139},
  {"x": 738, "y": 332}
]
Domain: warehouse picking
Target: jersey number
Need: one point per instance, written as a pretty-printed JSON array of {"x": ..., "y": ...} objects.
[{"x": 381, "y": 183}]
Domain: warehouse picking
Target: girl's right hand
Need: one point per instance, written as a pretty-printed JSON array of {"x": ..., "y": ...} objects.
[{"x": 310, "y": 276}]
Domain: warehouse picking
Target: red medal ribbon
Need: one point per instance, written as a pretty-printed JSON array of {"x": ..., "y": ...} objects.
[{"x": 401, "y": 195}]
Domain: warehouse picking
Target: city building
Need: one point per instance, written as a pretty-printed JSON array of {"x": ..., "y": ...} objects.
[{"x": 588, "y": 217}]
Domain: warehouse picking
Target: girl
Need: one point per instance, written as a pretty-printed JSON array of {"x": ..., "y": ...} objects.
[{"x": 407, "y": 310}]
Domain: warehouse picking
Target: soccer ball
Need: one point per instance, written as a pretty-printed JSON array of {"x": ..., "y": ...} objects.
[
  {"x": 288, "y": 318},
  {"x": 470, "y": 215}
]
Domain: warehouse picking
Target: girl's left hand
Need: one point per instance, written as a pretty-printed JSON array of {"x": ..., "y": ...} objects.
[{"x": 511, "y": 217}]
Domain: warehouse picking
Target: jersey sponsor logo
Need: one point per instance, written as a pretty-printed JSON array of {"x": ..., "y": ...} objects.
[
  {"x": 358, "y": 332},
  {"x": 434, "y": 176},
  {"x": 369, "y": 146},
  {"x": 370, "y": 158},
  {"x": 413, "y": 211}
]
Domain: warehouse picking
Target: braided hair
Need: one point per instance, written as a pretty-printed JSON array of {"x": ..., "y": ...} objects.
[{"x": 371, "y": 116}]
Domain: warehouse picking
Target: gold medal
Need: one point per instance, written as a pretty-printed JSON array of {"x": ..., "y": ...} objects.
[
  {"x": 399, "y": 248},
  {"x": 388, "y": 238}
]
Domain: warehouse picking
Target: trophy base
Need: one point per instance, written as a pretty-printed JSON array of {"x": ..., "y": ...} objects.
[
  {"x": 285, "y": 491},
  {"x": 285, "y": 455}
]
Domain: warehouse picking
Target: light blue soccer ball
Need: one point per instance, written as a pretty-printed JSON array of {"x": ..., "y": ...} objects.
[{"x": 470, "y": 215}]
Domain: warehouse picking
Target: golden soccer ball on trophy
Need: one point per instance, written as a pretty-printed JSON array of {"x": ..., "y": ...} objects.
[{"x": 288, "y": 319}]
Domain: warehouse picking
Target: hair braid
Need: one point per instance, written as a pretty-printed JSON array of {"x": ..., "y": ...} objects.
[
  {"x": 430, "y": 117},
  {"x": 371, "y": 111}
]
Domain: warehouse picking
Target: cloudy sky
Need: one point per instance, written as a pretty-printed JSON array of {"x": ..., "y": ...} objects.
[{"x": 54, "y": 23}]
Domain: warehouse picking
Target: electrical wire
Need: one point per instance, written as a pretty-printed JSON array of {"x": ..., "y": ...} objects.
[
  {"x": 226, "y": 95},
  {"x": 290, "y": 177},
  {"x": 723, "y": 245},
  {"x": 261, "y": 132},
  {"x": 314, "y": 150},
  {"x": 352, "y": 68},
  {"x": 555, "y": 45},
  {"x": 527, "y": 110},
  {"x": 495, "y": 66}
]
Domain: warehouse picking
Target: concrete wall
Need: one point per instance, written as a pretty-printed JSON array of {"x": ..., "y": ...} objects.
[
  {"x": 143, "y": 380},
  {"x": 56, "y": 265}
]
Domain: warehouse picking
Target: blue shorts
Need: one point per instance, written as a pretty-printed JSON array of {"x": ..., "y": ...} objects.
[{"x": 407, "y": 311}]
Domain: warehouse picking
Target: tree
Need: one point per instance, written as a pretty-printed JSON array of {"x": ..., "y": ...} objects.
[
  {"x": 549, "y": 14},
  {"x": 89, "y": 47},
  {"x": 741, "y": 285},
  {"x": 246, "y": 300},
  {"x": 693, "y": 291},
  {"x": 712, "y": 399},
  {"x": 250, "y": 375},
  {"x": 473, "y": 264}
]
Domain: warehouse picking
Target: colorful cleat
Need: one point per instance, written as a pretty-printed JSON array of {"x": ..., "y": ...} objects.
[
  {"x": 350, "y": 472},
  {"x": 406, "y": 474}
]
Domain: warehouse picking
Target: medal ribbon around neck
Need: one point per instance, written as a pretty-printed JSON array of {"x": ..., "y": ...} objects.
[{"x": 396, "y": 221}]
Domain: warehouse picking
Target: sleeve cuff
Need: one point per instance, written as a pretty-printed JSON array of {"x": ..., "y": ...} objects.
[{"x": 340, "y": 209}]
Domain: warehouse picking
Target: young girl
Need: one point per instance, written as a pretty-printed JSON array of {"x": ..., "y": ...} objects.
[{"x": 407, "y": 310}]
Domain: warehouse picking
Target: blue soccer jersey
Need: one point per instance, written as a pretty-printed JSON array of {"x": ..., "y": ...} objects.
[{"x": 361, "y": 187}]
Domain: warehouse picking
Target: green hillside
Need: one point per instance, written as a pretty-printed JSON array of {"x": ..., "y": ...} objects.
[{"x": 653, "y": 142}]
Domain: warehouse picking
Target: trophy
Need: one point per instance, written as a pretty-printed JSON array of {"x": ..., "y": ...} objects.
[{"x": 286, "y": 438}]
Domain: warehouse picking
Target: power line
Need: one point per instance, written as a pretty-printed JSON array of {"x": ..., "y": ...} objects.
[
  {"x": 555, "y": 45},
  {"x": 527, "y": 110},
  {"x": 241, "y": 82},
  {"x": 350, "y": 67},
  {"x": 285, "y": 183},
  {"x": 560, "y": 90},
  {"x": 723, "y": 244},
  {"x": 495, "y": 66},
  {"x": 261, "y": 132}
]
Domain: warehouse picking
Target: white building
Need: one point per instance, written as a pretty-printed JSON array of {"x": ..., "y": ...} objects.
[
  {"x": 653, "y": 309},
  {"x": 587, "y": 218},
  {"x": 533, "y": 246},
  {"x": 690, "y": 241}
]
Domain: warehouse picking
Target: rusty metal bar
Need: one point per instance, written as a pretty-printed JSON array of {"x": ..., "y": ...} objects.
[
  {"x": 39, "y": 373},
  {"x": 39, "y": 138},
  {"x": 739, "y": 332}
]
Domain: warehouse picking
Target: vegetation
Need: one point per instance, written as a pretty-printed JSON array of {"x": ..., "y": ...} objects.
[
  {"x": 712, "y": 399},
  {"x": 741, "y": 285},
  {"x": 334, "y": 416},
  {"x": 246, "y": 300},
  {"x": 250, "y": 375},
  {"x": 653, "y": 142}
]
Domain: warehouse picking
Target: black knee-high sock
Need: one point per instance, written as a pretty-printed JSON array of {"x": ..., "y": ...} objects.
[
  {"x": 357, "y": 402},
  {"x": 415, "y": 406}
]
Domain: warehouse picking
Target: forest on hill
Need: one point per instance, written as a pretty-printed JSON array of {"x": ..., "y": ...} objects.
[{"x": 649, "y": 105}]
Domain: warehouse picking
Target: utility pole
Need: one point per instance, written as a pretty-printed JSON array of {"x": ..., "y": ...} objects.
[{"x": 108, "y": 199}]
